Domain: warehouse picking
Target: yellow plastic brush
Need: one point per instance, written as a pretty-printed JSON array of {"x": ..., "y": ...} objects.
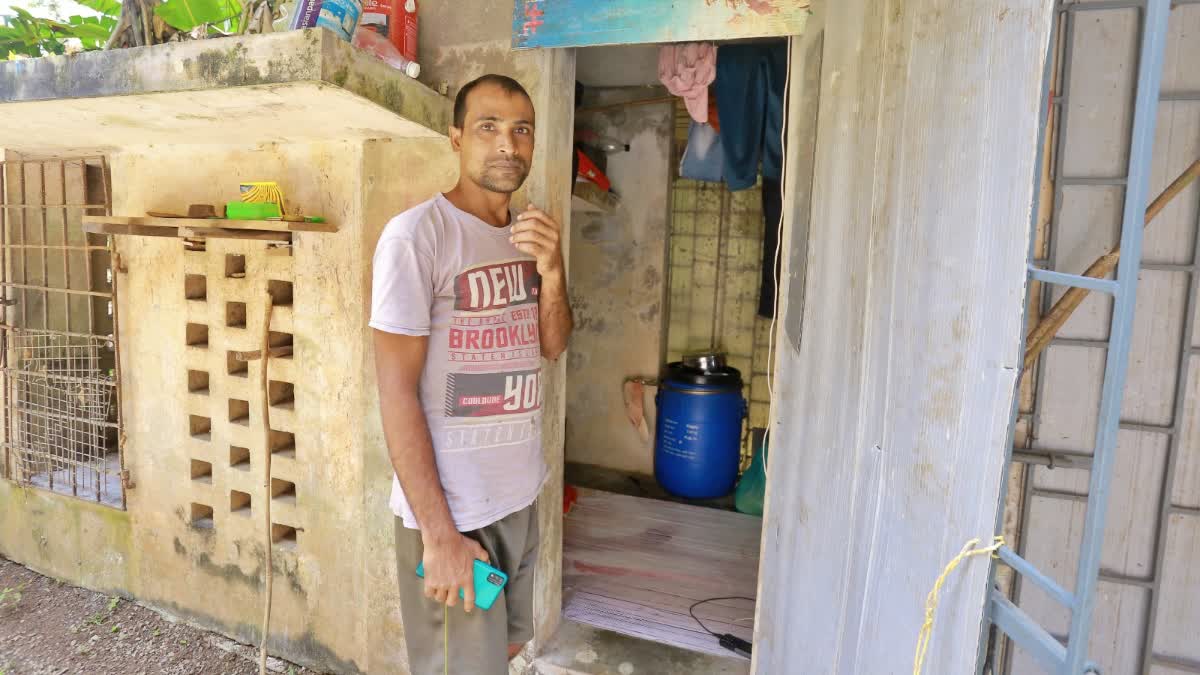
[{"x": 262, "y": 192}]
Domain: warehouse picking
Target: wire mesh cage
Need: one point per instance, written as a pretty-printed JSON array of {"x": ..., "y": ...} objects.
[
  {"x": 62, "y": 419},
  {"x": 60, "y": 358}
]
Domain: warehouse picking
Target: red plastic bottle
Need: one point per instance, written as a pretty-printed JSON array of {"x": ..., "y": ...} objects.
[
  {"x": 378, "y": 15},
  {"x": 404, "y": 30}
]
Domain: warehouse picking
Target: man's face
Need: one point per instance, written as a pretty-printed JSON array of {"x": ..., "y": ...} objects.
[{"x": 496, "y": 142}]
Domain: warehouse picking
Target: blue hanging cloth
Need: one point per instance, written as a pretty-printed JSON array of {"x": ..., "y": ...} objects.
[
  {"x": 749, "y": 91},
  {"x": 703, "y": 158}
]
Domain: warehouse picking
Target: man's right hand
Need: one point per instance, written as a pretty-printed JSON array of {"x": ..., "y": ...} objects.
[{"x": 450, "y": 565}]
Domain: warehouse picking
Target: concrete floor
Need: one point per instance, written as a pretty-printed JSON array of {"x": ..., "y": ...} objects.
[{"x": 582, "y": 650}]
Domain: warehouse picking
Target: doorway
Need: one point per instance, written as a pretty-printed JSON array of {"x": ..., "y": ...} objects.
[{"x": 665, "y": 264}]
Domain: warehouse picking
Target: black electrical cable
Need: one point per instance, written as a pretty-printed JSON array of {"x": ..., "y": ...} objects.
[
  {"x": 728, "y": 640},
  {"x": 691, "y": 610}
]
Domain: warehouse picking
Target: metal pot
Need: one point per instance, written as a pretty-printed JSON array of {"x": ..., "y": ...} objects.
[{"x": 708, "y": 362}]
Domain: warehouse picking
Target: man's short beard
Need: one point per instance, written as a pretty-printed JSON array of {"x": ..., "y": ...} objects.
[{"x": 500, "y": 185}]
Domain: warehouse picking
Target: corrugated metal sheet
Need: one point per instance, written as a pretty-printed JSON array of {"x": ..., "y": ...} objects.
[{"x": 894, "y": 410}]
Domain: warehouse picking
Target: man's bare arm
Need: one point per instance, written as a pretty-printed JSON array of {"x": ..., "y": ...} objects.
[
  {"x": 537, "y": 234},
  {"x": 449, "y": 556},
  {"x": 554, "y": 314}
]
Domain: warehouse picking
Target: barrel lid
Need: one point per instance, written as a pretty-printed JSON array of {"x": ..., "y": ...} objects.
[{"x": 684, "y": 374}]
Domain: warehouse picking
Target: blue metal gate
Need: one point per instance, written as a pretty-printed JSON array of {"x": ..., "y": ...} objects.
[{"x": 1071, "y": 658}]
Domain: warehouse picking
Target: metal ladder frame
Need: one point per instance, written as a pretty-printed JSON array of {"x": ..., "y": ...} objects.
[{"x": 1070, "y": 659}]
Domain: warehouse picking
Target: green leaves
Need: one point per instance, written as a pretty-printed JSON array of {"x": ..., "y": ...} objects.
[
  {"x": 92, "y": 31},
  {"x": 29, "y": 35},
  {"x": 108, "y": 8},
  {"x": 187, "y": 15},
  {"x": 24, "y": 34}
]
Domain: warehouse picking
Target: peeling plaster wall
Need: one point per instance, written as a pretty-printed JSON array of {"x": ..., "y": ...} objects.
[
  {"x": 291, "y": 87},
  {"x": 321, "y": 593},
  {"x": 618, "y": 289},
  {"x": 335, "y": 597},
  {"x": 388, "y": 168}
]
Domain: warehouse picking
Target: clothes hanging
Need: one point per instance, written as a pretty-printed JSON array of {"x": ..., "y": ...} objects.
[
  {"x": 686, "y": 70},
  {"x": 702, "y": 158},
  {"x": 749, "y": 93},
  {"x": 772, "y": 207},
  {"x": 714, "y": 120}
]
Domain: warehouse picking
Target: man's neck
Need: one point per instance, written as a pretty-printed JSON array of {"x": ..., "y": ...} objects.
[{"x": 490, "y": 207}]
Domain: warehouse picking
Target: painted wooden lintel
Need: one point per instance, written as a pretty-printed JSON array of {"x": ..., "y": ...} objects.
[{"x": 584, "y": 23}]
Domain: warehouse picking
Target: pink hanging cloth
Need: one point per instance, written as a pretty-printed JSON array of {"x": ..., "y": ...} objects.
[{"x": 687, "y": 69}]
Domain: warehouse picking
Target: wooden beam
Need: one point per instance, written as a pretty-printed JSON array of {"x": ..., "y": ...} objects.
[
  {"x": 184, "y": 232},
  {"x": 585, "y": 23},
  {"x": 220, "y": 233},
  {"x": 135, "y": 230},
  {"x": 202, "y": 223},
  {"x": 589, "y": 197}
]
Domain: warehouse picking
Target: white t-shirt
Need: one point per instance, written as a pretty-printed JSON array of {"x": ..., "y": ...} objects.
[{"x": 441, "y": 272}]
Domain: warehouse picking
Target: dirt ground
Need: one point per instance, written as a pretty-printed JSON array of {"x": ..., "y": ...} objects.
[{"x": 51, "y": 628}]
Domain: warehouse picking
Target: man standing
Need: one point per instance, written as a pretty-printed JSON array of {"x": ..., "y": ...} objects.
[{"x": 467, "y": 298}]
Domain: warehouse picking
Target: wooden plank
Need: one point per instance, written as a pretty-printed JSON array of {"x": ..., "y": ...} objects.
[
  {"x": 138, "y": 230},
  {"x": 635, "y": 566},
  {"x": 583, "y": 23},
  {"x": 135, "y": 230},
  {"x": 640, "y": 622},
  {"x": 588, "y": 197},
  {"x": 201, "y": 223},
  {"x": 221, "y": 233},
  {"x": 733, "y": 616}
]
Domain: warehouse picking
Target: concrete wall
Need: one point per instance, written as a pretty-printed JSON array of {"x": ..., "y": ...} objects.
[
  {"x": 915, "y": 126},
  {"x": 1145, "y": 608},
  {"x": 335, "y": 600},
  {"x": 618, "y": 65},
  {"x": 618, "y": 290},
  {"x": 396, "y": 174},
  {"x": 335, "y": 605}
]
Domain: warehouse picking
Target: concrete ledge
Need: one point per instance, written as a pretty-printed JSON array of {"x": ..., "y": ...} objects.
[{"x": 281, "y": 87}]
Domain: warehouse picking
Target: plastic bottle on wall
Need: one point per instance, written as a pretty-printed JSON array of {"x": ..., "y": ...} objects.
[
  {"x": 338, "y": 16},
  {"x": 379, "y": 16},
  {"x": 404, "y": 35},
  {"x": 371, "y": 40}
]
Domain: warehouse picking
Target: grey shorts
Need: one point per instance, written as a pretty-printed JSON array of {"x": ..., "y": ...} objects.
[{"x": 478, "y": 642}]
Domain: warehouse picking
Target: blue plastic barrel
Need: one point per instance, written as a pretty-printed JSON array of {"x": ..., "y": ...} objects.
[{"x": 698, "y": 432}]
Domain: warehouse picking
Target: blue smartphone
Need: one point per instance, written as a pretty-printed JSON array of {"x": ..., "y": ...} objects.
[{"x": 489, "y": 581}]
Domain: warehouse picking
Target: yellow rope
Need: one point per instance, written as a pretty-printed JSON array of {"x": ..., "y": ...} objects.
[
  {"x": 931, "y": 601},
  {"x": 263, "y": 192}
]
